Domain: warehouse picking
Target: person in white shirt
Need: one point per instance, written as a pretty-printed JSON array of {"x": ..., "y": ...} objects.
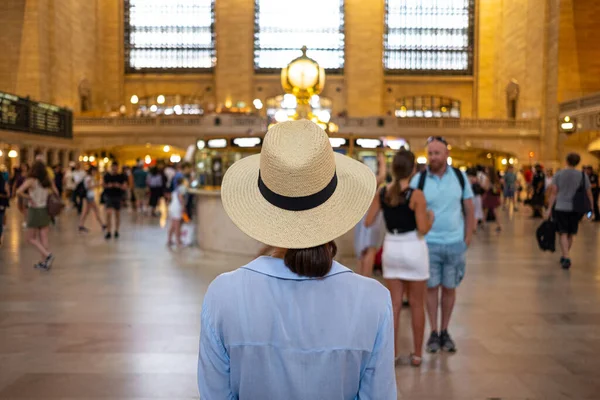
[
  {"x": 90, "y": 183},
  {"x": 78, "y": 175}
]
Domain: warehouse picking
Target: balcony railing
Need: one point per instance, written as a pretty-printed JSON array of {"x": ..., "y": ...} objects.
[
  {"x": 580, "y": 103},
  {"x": 231, "y": 121}
]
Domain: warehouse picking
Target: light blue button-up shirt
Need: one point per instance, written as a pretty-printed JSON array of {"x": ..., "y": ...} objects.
[
  {"x": 444, "y": 197},
  {"x": 269, "y": 334}
]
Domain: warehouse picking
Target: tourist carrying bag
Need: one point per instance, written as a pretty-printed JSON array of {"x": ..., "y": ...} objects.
[
  {"x": 581, "y": 202},
  {"x": 55, "y": 205}
]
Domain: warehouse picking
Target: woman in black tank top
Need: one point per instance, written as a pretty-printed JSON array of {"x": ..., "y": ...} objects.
[{"x": 405, "y": 255}]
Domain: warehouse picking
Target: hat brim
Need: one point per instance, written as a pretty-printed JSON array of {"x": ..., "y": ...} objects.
[{"x": 274, "y": 226}]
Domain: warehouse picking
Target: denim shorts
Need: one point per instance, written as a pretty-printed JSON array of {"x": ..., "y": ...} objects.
[{"x": 447, "y": 264}]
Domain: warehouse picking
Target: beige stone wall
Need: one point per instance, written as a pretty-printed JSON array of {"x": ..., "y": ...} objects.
[
  {"x": 579, "y": 52},
  {"x": 511, "y": 46},
  {"x": 50, "y": 47},
  {"x": 234, "y": 73},
  {"x": 363, "y": 72}
]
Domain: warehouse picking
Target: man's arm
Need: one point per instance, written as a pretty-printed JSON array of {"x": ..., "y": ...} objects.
[{"x": 552, "y": 199}]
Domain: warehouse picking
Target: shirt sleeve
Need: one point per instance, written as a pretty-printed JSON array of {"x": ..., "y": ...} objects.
[
  {"x": 468, "y": 192},
  {"x": 379, "y": 379},
  {"x": 213, "y": 361}
]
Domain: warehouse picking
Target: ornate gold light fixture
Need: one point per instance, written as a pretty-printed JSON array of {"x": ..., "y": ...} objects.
[{"x": 303, "y": 79}]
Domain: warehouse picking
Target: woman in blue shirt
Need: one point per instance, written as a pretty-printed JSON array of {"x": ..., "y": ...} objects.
[{"x": 296, "y": 324}]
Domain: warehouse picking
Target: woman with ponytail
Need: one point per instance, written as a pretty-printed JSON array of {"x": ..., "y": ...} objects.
[{"x": 405, "y": 256}]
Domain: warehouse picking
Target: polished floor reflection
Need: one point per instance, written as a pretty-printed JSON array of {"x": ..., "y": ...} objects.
[{"x": 120, "y": 320}]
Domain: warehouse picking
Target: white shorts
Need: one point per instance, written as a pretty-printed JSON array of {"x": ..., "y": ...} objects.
[{"x": 405, "y": 256}]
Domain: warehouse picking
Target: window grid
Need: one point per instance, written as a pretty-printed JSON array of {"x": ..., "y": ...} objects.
[
  {"x": 429, "y": 37},
  {"x": 169, "y": 35},
  {"x": 427, "y": 107},
  {"x": 281, "y": 29}
]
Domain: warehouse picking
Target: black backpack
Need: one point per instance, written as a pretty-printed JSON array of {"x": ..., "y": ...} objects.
[
  {"x": 581, "y": 202},
  {"x": 459, "y": 176}
]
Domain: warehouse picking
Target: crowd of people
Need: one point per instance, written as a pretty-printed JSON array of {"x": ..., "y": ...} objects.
[
  {"x": 88, "y": 191},
  {"x": 308, "y": 309}
]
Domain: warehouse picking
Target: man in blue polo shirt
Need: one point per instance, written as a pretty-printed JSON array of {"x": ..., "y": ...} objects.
[{"x": 451, "y": 199}]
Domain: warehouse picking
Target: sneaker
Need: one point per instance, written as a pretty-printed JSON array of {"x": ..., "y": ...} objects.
[
  {"x": 39, "y": 265},
  {"x": 48, "y": 262},
  {"x": 108, "y": 236},
  {"x": 116, "y": 235},
  {"x": 565, "y": 263},
  {"x": 434, "y": 344},
  {"x": 447, "y": 342},
  {"x": 83, "y": 229}
]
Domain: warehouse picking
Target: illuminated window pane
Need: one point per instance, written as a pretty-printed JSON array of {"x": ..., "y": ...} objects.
[
  {"x": 169, "y": 34},
  {"x": 284, "y": 26},
  {"x": 429, "y": 36},
  {"x": 427, "y": 107}
]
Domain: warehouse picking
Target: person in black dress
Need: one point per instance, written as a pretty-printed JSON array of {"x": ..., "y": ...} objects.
[
  {"x": 595, "y": 190},
  {"x": 538, "y": 198}
]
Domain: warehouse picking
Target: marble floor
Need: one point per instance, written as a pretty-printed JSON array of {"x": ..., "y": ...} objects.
[{"x": 120, "y": 320}]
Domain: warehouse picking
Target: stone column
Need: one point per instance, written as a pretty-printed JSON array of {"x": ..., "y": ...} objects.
[
  {"x": 65, "y": 158},
  {"x": 234, "y": 72},
  {"x": 363, "y": 69},
  {"x": 549, "y": 131},
  {"x": 30, "y": 155}
]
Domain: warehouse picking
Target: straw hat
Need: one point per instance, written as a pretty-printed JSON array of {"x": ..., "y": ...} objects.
[{"x": 297, "y": 193}]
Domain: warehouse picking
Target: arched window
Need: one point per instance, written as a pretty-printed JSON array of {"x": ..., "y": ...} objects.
[
  {"x": 167, "y": 35},
  {"x": 284, "y": 26},
  {"x": 429, "y": 37},
  {"x": 427, "y": 107}
]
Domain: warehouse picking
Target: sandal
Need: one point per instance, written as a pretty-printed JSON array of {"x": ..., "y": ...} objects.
[{"x": 415, "y": 361}]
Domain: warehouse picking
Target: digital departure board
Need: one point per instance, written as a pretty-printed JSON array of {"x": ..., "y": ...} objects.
[{"x": 19, "y": 114}]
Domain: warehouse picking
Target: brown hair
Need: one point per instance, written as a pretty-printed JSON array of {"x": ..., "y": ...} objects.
[
  {"x": 573, "y": 159},
  {"x": 38, "y": 171},
  {"x": 403, "y": 166},
  {"x": 314, "y": 262}
]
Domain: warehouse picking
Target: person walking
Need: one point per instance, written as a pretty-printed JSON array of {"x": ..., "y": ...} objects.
[
  {"x": 369, "y": 239},
  {"x": 450, "y": 197},
  {"x": 156, "y": 183},
  {"x": 59, "y": 179},
  {"x": 492, "y": 199},
  {"x": 35, "y": 190},
  {"x": 19, "y": 179},
  {"x": 176, "y": 211},
  {"x": 79, "y": 193},
  {"x": 140, "y": 177},
  {"x": 4, "y": 202},
  {"x": 478, "y": 193},
  {"x": 91, "y": 185},
  {"x": 405, "y": 256},
  {"x": 115, "y": 185},
  {"x": 570, "y": 198},
  {"x": 593, "y": 177},
  {"x": 510, "y": 188},
  {"x": 297, "y": 324},
  {"x": 538, "y": 197}
]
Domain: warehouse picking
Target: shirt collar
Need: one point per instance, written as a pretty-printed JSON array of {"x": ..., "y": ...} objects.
[
  {"x": 276, "y": 268},
  {"x": 431, "y": 175}
]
